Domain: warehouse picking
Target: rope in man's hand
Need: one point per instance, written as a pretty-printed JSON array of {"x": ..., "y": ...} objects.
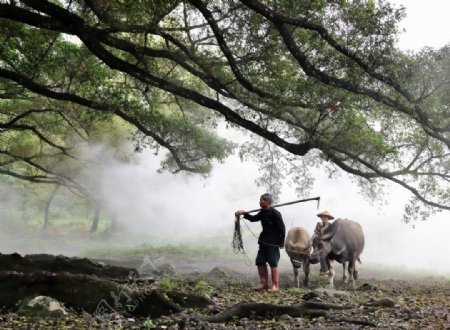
[{"x": 238, "y": 244}]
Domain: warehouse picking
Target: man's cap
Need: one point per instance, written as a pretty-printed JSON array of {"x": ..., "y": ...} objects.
[{"x": 326, "y": 214}]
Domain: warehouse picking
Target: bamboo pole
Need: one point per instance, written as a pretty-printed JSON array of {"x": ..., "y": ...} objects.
[{"x": 293, "y": 202}]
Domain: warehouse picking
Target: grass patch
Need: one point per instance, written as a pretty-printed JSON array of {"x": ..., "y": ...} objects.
[
  {"x": 179, "y": 250},
  {"x": 295, "y": 291},
  {"x": 168, "y": 284},
  {"x": 203, "y": 288}
]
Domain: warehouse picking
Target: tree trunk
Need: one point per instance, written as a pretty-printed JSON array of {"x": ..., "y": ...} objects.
[
  {"x": 47, "y": 207},
  {"x": 96, "y": 218},
  {"x": 251, "y": 310}
]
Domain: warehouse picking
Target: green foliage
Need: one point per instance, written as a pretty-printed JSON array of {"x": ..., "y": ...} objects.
[
  {"x": 148, "y": 324},
  {"x": 320, "y": 80},
  {"x": 168, "y": 283},
  {"x": 201, "y": 287},
  {"x": 295, "y": 291}
]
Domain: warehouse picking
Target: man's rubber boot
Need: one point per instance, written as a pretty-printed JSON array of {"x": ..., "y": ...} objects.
[
  {"x": 275, "y": 280},
  {"x": 263, "y": 278}
]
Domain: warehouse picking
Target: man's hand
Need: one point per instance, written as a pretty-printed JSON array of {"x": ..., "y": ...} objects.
[{"x": 238, "y": 213}]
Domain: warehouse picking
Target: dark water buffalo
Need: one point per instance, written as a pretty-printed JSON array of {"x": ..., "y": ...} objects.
[
  {"x": 343, "y": 241},
  {"x": 298, "y": 247}
]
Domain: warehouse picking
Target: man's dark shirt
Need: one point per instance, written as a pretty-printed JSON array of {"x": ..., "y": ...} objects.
[{"x": 273, "y": 226}]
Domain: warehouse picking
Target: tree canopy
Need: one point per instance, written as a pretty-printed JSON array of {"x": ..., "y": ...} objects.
[{"x": 320, "y": 80}]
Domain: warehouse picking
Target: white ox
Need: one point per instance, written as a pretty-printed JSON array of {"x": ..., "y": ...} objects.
[{"x": 298, "y": 247}]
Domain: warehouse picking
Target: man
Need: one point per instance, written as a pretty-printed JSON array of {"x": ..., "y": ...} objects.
[
  {"x": 325, "y": 216},
  {"x": 270, "y": 241}
]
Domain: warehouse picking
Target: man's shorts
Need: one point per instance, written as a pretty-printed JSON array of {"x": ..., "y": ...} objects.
[{"x": 268, "y": 254}]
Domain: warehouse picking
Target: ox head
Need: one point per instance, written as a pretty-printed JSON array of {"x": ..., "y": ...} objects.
[{"x": 321, "y": 243}]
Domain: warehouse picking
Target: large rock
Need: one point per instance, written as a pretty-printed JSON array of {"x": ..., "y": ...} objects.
[
  {"x": 82, "y": 292},
  {"x": 42, "y": 306}
]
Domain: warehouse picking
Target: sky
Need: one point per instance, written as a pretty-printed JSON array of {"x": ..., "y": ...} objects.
[
  {"x": 426, "y": 24},
  {"x": 167, "y": 209}
]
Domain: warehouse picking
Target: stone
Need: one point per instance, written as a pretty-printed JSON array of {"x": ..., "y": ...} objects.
[{"x": 42, "y": 306}]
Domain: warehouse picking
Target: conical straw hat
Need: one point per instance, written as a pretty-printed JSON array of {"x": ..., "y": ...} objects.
[{"x": 325, "y": 213}]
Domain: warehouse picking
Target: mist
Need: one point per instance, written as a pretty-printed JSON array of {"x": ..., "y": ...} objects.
[
  {"x": 166, "y": 209},
  {"x": 174, "y": 209},
  {"x": 163, "y": 208}
]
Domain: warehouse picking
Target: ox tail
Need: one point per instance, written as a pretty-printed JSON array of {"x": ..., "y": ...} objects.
[{"x": 359, "y": 260}]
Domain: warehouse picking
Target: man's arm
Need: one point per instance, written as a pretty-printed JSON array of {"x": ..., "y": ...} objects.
[
  {"x": 281, "y": 227},
  {"x": 252, "y": 218},
  {"x": 248, "y": 216}
]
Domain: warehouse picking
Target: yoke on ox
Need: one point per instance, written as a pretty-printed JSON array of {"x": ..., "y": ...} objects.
[
  {"x": 343, "y": 241},
  {"x": 298, "y": 247}
]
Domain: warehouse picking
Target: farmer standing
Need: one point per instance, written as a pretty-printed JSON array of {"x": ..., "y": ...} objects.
[
  {"x": 270, "y": 241},
  {"x": 325, "y": 216}
]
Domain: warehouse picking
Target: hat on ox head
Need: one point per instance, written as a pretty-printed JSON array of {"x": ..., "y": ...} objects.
[
  {"x": 268, "y": 197},
  {"x": 325, "y": 214}
]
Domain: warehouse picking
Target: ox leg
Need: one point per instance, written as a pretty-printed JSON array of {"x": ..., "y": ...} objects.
[
  {"x": 344, "y": 278},
  {"x": 351, "y": 270},
  {"x": 331, "y": 273},
  {"x": 306, "y": 271},
  {"x": 296, "y": 276}
]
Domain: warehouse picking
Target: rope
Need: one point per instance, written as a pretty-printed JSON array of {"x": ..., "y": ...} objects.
[
  {"x": 269, "y": 244},
  {"x": 238, "y": 244}
]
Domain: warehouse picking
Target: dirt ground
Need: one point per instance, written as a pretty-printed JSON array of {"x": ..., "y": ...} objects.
[{"x": 381, "y": 299}]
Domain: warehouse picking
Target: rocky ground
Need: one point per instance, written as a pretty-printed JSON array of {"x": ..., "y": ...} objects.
[{"x": 376, "y": 302}]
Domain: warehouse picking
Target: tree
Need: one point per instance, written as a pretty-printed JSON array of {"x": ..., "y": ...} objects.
[
  {"x": 321, "y": 80},
  {"x": 43, "y": 137},
  {"x": 47, "y": 148}
]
